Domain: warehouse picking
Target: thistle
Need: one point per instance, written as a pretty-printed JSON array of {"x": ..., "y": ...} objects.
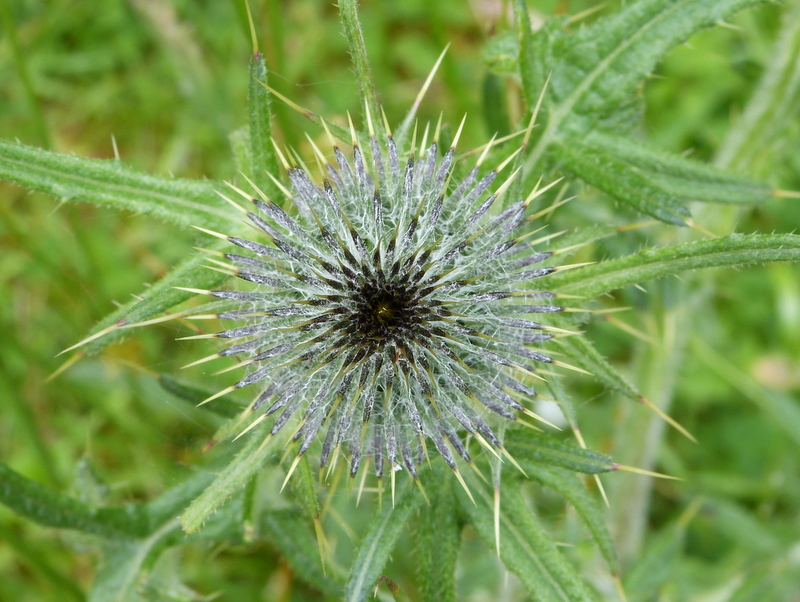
[{"x": 392, "y": 306}]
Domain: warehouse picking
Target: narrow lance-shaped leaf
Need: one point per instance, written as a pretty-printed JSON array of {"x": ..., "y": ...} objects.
[
  {"x": 124, "y": 563},
  {"x": 525, "y": 548},
  {"x": 606, "y": 62},
  {"x": 531, "y": 449},
  {"x": 437, "y": 537},
  {"x": 586, "y": 356},
  {"x": 358, "y": 52},
  {"x": 231, "y": 479},
  {"x": 379, "y": 542},
  {"x": 53, "y": 509},
  {"x": 109, "y": 183},
  {"x": 163, "y": 295},
  {"x": 591, "y": 512},
  {"x": 606, "y": 171},
  {"x": 289, "y": 531},
  {"x": 262, "y": 152},
  {"x": 681, "y": 177},
  {"x": 734, "y": 250}
]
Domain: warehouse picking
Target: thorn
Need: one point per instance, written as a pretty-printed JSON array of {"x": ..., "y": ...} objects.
[
  {"x": 196, "y": 291},
  {"x": 572, "y": 266},
  {"x": 322, "y": 543},
  {"x": 422, "y": 491},
  {"x": 280, "y": 186},
  {"x": 669, "y": 419},
  {"x": 642, "y": 471},
  {"x": 602, "y": 490},
  {"x": 537, "y": 193},
  {"x": 386, "y": 123},
  {"x": 216, "y": 395},
  {"x": 232, "y": 203},
  {"x": 536, "y": 416},
  {"x": 785, "y": 194},
  {"x": 65, "y": 366},
  {"x": 629, "y": 329},
  {"x": 212, "y": 233},
  {"x": 295, "y": 462},
  {"x": 513, "y": 461},
  {"x": 535, "y": 113},
  {"x": 553, "y": 207},
  {"x": 458, "y": 132},
  {"x": 93, "y": 337},
  {"x": 363, "y": 478},
  {"x": 202, "y": 361},
  {"x": 331, "y": 139},
  {"x": 353, "y": 137},
  {"x": 464, "y": 485},
  {"x": 391, "y": 468},
  {"x": 695, "y": 226},
  {"x": 426, "y": 85},
  {"x": 253, "y": 38},
  {"x": 485, "y": 151},
  {"x": 252, "y": 425}
]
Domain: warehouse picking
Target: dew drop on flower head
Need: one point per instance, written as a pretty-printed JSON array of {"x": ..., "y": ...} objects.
[{"x": 393, "y": 306}]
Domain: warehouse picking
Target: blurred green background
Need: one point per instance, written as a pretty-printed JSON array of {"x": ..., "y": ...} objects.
[{"x": 166, "y": 81}]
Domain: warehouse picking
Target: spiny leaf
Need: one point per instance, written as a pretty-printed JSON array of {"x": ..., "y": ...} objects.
[
  {"x": 109, "y": 183},
  {"x": 606, "y": 171},
  {"x": 262, "y": 152},
  {"x": 525, "y": 548},
  {"x": 680, "y": 177},
  {"x": 289, "y": 532},
  {"x": 157, "y": 298},
  {"x": 586, "y": 356},
  {"x": 569, "y": 485},
  {"x": 379, "y": 542},
  {"x": 532, "y": 449},
  {"x": 437, "y": 537},
  {"x": 123, "y": 563},
  {"x": 734, "y": 250},
  {"x": 53, "y": 509},
  {"x": 231, "y": 479}
]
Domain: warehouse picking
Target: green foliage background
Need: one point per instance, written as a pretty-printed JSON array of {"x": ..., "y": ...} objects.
[{"x": 168, "y": 80}]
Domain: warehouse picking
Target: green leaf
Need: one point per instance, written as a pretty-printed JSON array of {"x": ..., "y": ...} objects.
[
  {"x": 304, "y": 487},
  {"x": 680, "y": 177},
  {"x": 53, "y": 509},
  {"x": 532, "y": 449},
  {"x": 525, "y": 548},
  {"x": 379, "y": 542},
  {"x": 163, "y": 295},
  {"x": 657, "y": 564},
  {"x": 606, "y": 171},
  {"x": 230, "y": 479},
  {"x": 590, "y": 510},
  {"x": 109, "y": 183},
  {"x": 734, "y": 250},
  {"x": 122, "y": 565},
  {"x": 601, "y": 66},
  {"x": 222, "y": 406},
  {"x": 773, "y": 105},
  {"x": 437, "y": 537},
  {"x": 262, "y": 153},
  {"x": 584, "y": 355},
  {"x": 652, "y": 181},
  {"x": 289, "y": 532},
  {"x": 358, "y": 53}
]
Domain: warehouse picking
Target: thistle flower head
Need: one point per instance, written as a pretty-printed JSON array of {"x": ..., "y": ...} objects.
[{"x": 393, "y": 306}]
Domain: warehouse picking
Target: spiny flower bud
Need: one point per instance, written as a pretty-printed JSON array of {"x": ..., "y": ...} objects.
[{"x": 393, "y": 308}]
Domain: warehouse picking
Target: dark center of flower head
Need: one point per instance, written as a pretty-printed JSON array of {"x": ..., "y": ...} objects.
[{"x": 387, "y": 311}]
